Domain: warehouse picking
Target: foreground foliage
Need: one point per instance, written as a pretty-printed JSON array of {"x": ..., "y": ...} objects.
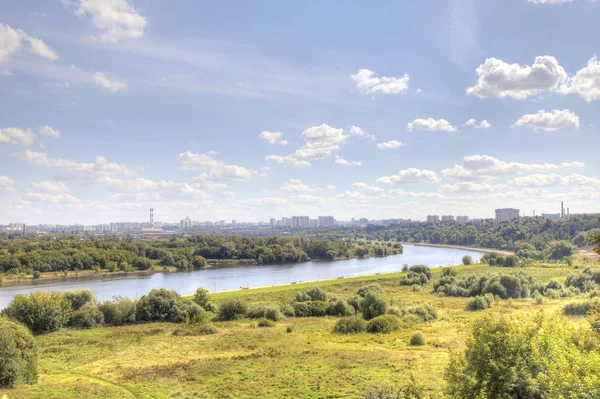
[{"x": 18, "y": 355}]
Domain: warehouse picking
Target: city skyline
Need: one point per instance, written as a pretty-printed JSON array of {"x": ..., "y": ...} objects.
[{"x": 203, "y": 112}]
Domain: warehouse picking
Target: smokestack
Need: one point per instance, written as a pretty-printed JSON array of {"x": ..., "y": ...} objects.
[
  {"x": 562, "y": 210},
  {"x": 24, "y": 228}
]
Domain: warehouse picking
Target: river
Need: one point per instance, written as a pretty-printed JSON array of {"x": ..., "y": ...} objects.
[{"x": 223, "y": 278}]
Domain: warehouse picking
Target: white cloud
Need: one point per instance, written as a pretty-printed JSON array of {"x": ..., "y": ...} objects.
[
  {"x": 50, "y": 187},
  {"x": 13, "y": 40},
  {"x": 389, "y": 145},
  {"x": 411, "y": 175},
  {"x": 367, "y": 82},
  {"x": 48, "y": 131},
  {"x": 364, "y": 188},
  {"x": 110, "y": 85},
  {"x": 331, "y": 187},
  {"x": 418, "y": 91},
  {"x": 116, "y": 18},
  {"x": 468, "y": 187},
  {"x": 485, "y": 167},
  {"x": 545, "y": 180},
  {"x": 6, "y": 73},
  {"x": 431, "y": 124},
  {"x": 272, "y": 138},
  {"x": 484, "y": 124},
  {"x": 216, "y": 170},
  {"x": 586, "y": 82},
  {"x": 80, "y": 171},
  {"x": 549, "y": 1},
  {"x": 550, "y": 121},
  {"x": 343, "y": 162},
  {"x": 319, "y": 142},
  {"x": 6, "y": 184},
  {"x": 58, "y": 199},
  {"x": 204, "y": 182},
  {"x": 358, "y": 132},
  {"x": 14, "y": 135},
  {"x": 294, "y": 185},
  {"x": 500, "y": 79},
  {"x": 155, "y": 190}
]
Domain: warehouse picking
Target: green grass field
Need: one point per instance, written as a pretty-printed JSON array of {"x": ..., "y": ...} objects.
[{"x": 244, "y": 361}]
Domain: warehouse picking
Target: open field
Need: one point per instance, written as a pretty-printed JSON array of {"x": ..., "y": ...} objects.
[{"x": 244, "y": 361}]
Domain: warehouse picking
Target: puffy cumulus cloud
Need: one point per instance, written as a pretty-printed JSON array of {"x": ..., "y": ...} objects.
[
  {"x": 215, "y": 170},
  {"x": 48, "y": 131},
  {"x": 14, "y": 135},
  {"x": 367, "y": 82},
  {"x": 6, "y": 184},
  {"x": 390, "y": 145},
  {"x": 310, "y": 199},
  {"x": 343, "y": 162},
  {"x": 50, "y": 187},
  {"x": 586, "y": 82},
  {"x": 485, "y": 167},
  {"x": 111, "y": 85},
  {"x": 14, "y": 40},
  {"x": 412, "y": 194},
  {"x": 410, "y": 175},
  {"x": 116, "y": 18},
  {"x": 431, "y": 124},
  {"x": 550, "y": 121},
  {"x": 294, "y": 185},
  {"x": 484, "y": 124},
  {"x": 364, "y": 188},
  {"x": 319, "y": 142},
  {"x": 358, "y": 132},
  {"x": 155, "y": 190},
  {"x": 203, "y": 181},
  {"x": 497, "y": 78},
  {"x": 553, "y": 179},
  {"x": 58, "y": 199},
  {"x": 272, "y": 138},
  {"x": 86, "y": 172},
  {"x": 469, "y": 187}
]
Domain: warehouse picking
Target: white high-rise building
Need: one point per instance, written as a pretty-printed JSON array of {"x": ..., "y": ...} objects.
[
  {"x": 463, "y": 219},
  {"x": 286, "y": 222},
  {"x": 447, "y": 218},
  {"x": 326, "y": 221},
  {"x": 313, "y": 223},
  {"x": 433, "y": 218},
  {"x": 506, "y": 214},
  {"x": 185, "y": 223},
  {"x": 300, "y": 221},
  {"x": 273, "y": 222}
]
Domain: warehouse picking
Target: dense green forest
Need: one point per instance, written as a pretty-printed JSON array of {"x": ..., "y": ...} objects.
[{"x": 35, "y": 254}]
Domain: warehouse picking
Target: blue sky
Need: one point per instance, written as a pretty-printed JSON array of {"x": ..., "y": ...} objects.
[{"x": 109, "y": 108}]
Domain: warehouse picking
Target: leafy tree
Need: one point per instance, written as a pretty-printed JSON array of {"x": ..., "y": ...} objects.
[
  {"x": 41, "y": 311},
  {"x": 232, "y": 310},
  {"x": 557, "y": 250},
  {"x": 18, "y": 355},
  {"x": 166, "y": 305},
  {"x": 467, "y": 260},
  {"x": 539, "y": 356},
  {"x": 373, "y": 304}
]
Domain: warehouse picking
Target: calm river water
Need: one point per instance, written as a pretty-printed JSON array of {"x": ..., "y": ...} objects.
[{"x": 233, "y": 277}]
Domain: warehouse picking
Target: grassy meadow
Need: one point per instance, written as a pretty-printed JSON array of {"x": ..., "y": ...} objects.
[{"x": 243, "y": 360}]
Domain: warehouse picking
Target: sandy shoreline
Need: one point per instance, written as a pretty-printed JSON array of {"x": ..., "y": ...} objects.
[{"x": 475, "y": 249}]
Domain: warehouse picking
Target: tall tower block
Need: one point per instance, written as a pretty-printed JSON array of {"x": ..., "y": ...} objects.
[{"x": 151, "y": 218}]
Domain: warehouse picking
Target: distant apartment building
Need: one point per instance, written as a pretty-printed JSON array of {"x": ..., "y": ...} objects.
[
  {"x": 506, "y": 214},
  {"x": 185, "y": 223},
  {"x": 286, "y": 222},
  {"x": 273, "y": 222},
  {"x": 313, "y": 223},
  {"x": 300, "y": 222},
  {"x": 433, "y": 218},
  {"x": 462, "y": 219},
  {"x": 363, "y": 221},
  {"x": 326, "y": 221},
  {"x": 447, "y": 218}
]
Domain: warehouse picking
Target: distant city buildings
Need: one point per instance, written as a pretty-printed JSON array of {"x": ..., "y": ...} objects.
[
  {"x": 433, "y": 218},
  {"x": 447, "y": 218},
  {"x": 326, "y": 221},
  {"x": 185, "y": 224},
  {"x": 551, "y": 215},
  {"x": 462, "y": 219},
  {"x": 506, "y": 214}
]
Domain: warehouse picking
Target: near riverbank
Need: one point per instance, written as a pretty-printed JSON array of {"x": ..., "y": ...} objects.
[{"x": 476, "y": 249}]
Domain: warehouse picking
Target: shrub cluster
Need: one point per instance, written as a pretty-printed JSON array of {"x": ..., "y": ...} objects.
[
  {"x": 515, "y": 285},
  {"x": 417, "y": 339},
  {"x": 350, "y": 325},
  {"x": 166, "y": 305},
  {"x": 119, "y": 311},
  {"x": 585, "y": 281},
  {"x": 233, "y": 310},
  {"x": 315, "y": 302},
  {"x": 312, "y": 294},
  {"x": 195, "y": 330},
  {"x": 18, "y": 355},
  {"x": 480, "y": 302},
  {"x": 384, "y": 324},
  {"x": 418, "y": 274},
  {"x": 495, "y": 259},
  {"x": 41, "y": 312},
  {"x": 580, "y": 308},
  {"x": 311, "y": 309},
  {"x": 265, "y": 311},
  {"x": 266, "y": 323}
]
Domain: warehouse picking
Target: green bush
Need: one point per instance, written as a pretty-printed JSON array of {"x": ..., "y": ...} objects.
[
  {"x": 201, "y": 297},
  {"x": 383, "y": 324},
  {"x": 375, "y": 287},
  {"x": 289, "y": 329},
  {"x": 449, "y": 272},
  {"x": 480, "y": 302},
  {"x": 41, "y": 311},
  {"x": 194, "y": 330},
  {"x": 166, "y": 305},
  {"x": 266, "y": 323},
  {"x": 423, "y": 313},
  {"x": 350, "y": 325},
  {"x": 88, "y": 316},
  {"x": 312, "y": 294},
  {"x": 310, "y": 309},
  {"x": 287, "y": 310},
  {"x": 78, "y": 298},
  {"x": 579, "y": 308},
  {"x": 373, "y": 304},
  {"x": 340, "y": 308},
  {"x": 233, "y": 310},
  {"x": 18, "y": 355},
  {"x": 36, "y": 275},
  {"x": 417, "y": 339},
  {"x": 265, "y": 311},
  {"x": 525, "y": 356},
  {"x": 467, "y": 260},
  {"x": 118, "y": 312}
]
